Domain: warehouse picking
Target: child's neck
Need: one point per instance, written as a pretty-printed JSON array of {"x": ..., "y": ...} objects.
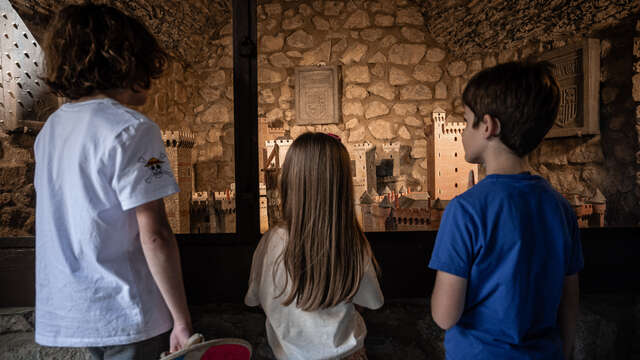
[{"x": 500, "y": 160}]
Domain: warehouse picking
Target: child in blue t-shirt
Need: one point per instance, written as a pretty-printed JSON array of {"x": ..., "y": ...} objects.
[{"x": 508, "y": 250}]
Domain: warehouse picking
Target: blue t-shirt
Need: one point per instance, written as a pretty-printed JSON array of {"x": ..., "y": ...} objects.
[{"x": 514, "y": 239}]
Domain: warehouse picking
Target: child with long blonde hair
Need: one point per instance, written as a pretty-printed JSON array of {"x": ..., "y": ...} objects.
[{"x": 308, "y": 273}]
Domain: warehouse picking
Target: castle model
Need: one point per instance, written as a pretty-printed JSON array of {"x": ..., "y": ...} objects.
[
  {"x": 383, "y": 199},
  {"x": 179, "y": 149}
]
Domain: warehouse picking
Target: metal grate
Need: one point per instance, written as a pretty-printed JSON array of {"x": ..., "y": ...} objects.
[{"x": 24, "y": 96}]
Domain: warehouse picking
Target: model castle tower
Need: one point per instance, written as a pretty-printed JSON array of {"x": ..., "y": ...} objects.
[
  {"x": 179, "y": 149},
  {"x": 449, "y": 172},
  {"x": 266, "y": 132},
  {"x": 363, "y": 168}
]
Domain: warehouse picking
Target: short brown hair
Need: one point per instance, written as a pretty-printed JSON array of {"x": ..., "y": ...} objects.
[
  {"x": 327, "y": 252},
  {"x": 94, "y": 48},
  {"x": 523, "y": 96}
]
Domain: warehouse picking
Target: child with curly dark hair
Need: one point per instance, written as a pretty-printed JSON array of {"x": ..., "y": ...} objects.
[{"x": 108, "y": 273}]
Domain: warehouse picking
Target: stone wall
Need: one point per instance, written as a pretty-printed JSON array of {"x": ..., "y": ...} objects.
[
  {"x": 394, "y": 74},
  {"x": 199, "y": 97},
  {"x": 606, "y": 162},
  {"x": 17, "y": 194}
]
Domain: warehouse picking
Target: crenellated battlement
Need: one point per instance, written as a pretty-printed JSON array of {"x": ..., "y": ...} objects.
[
  {"x": 224, "y": 195},
  {"x": 389, "y": 147},
  {"x": 179, "y": 138},
  {"x": 200, "y": 196},
  {"x": 281, "y": 143},
  {"x": 412, "y": 213},
  {"x": 362, "y": 146},
  {"x": 454, "y": 128},
  {"x": 439, "y": 115}
]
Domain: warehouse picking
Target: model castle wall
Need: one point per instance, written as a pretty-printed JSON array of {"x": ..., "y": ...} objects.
[
  {"x": 283, "y": 146},
  {"x": 363, "y": 161},
  {"x": 448, "y": 172},
  {"x": 179, "y": 149}
]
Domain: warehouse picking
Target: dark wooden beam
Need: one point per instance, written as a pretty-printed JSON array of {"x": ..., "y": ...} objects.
[{"x": 245, "y": 106}]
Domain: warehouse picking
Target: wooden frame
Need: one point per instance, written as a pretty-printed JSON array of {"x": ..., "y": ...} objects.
[
  {"x": 577, "y": 70},
  {"x": 317, "y": 100}
]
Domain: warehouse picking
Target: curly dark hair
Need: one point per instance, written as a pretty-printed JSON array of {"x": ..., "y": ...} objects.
[
  {"x": 523, "y": 96},
  {"x": 93, "y": 48}
]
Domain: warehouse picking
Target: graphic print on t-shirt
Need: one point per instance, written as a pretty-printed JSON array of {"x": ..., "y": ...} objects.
[{"x": 154, "y": 164}]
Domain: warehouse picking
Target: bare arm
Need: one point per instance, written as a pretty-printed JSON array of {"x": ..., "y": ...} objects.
[
  {"x": 161, "y": 251},
  {"x": 568, "y": 313},
  {"x": 447, "y": 299}
]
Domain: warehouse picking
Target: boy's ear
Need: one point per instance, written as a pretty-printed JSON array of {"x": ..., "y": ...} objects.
[{"x": 492, "y": 126}]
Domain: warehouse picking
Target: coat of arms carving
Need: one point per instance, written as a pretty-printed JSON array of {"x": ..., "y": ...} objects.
[{"x": 317, "y": 95}]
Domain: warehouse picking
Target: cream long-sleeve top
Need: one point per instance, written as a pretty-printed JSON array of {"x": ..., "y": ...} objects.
[{"x": 293, "y": 333}]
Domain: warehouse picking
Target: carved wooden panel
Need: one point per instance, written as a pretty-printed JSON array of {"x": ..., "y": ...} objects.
[
  {"x": 317, "y": 95},
  {"x": 577, "y": 71}
]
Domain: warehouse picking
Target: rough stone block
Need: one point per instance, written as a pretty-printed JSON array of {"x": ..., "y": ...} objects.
[
  {"x": 398, "y": 76},
  {"x": 273, "y": 10},
  {"x": 405, "y": 109},
  {"x": 382, "y": 129},
  {"x": 371, "y": 35},
  {"x": 266, "y": 97},
  {"x": 419, "y": 149},
  {"x": 333, "y": 8},
  {"x": 413, "y": 35},
  {"x": 384, "y": 20},
  {"x": 441, "y": 90},
  {"x": 320, "y": 23},
  {"x": 378, "y": 58},
  {"x": 268, "y": 76},
  {"x": 416, "y": 92},
  {"x": 358, "y": 20},
  {"x": 305, "y": 10},
  {"x": 375, "y": 109},
  {"x": 413, "y": 121},
  {"x": 351, "y": 123},
  {"x": 427, "y": 72},
  {"x": 406, "y": 54},
  {"x": 271, "y": 43},
  {"x": 352, "y": 108},
  {"x": 457, "y": 68},
  {"x": 356, "y": 135},
  {"x": 300, "y": 39},
  {"x": 354, "y": 53},
  {"x": 589, "y": 152},
  {"x": 358, "y": 74},
  {"x": 383, "y": 90},
  {"x": 355, "y": 92},
  {"x": 388, "y": 41},
  {"x": 409, "y": 16},
  {"x": 636, "y": 87},
  {"x": 404, "y": 133},
  {"x": 293, "y": 23},
  {"x": 379, "y": 70},
  {"x": 318, "y": 55},
  {"x": 435, "y": 55}
]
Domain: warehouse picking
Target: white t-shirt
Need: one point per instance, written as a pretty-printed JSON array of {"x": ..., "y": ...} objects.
[
  {"x": 292, "y": 333},
  {"x": 95, "y": 162}
]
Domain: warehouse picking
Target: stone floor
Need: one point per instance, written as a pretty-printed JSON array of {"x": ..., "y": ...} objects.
[{"x": 608, "y": 328}]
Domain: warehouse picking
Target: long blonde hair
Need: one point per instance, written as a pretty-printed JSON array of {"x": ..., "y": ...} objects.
[{"x": 327, "y": 251}]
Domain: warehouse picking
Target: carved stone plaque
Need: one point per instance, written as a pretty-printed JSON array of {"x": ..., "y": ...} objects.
[
  {"x": 577, "y": 71},
  {"x": 317, "y": 95}
]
